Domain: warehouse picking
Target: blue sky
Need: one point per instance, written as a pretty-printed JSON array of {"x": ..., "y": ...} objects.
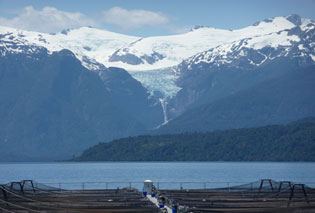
[{"x": 145, "y": 17}]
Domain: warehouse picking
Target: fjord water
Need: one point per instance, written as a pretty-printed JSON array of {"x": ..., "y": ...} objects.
[{"x": 168, "y": 174}]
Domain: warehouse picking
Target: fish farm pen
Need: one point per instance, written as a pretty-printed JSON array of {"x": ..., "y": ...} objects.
[{"x": 262, "y": 196}]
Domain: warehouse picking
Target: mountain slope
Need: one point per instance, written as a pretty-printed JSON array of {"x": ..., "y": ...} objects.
[
  {"x": 51, "y": 107},
  {"x": 294, "y": 142},
  {"x": 229, "y": 68},
  {"x": 132, "y": 97},
  {"x": 275, "y": 101}
]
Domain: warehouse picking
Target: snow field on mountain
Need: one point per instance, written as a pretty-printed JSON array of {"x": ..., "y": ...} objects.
[
  {"x": 208, "y": 45},
  {"x": 83, "y": 42},
  {"x": 258, "y": 42},
  {"x": 272, "y": 40},
  {"x": 177, "y": 48}
]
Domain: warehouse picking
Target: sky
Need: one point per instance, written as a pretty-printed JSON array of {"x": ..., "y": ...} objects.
[{"x": 146, "y": 17}]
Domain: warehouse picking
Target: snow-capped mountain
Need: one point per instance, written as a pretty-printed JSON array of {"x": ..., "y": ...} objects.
[
  {"x": 157, "y": 62},
  {"x": 166, "y": 51},
  {"x": 152, "y": 53},
  {"x": 88, "y": 44},
  {"x": 247, "y": 53},
  {"x": 232, "y": 67},
  {"x": 252, "y": 45},
  {"x": 152, "y": 58},
  {"x": 45, "y": 88}
]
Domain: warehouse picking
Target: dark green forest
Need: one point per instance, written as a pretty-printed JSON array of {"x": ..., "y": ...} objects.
[{"x": 292, "y": 142}]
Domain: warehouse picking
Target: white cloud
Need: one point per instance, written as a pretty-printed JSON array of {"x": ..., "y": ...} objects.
[
  {"x": 179, "y": 29},
  {"x": 132, "y": 19},
  {"x": 49, "y": 19}
]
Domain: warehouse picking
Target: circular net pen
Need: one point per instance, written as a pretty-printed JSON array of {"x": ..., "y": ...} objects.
[
  {"x": 261, "y": 196},
  {"x": 30, "y": 196}
]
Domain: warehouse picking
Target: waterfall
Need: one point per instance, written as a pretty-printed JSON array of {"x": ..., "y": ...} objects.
[{"x": 164, "y": 108}]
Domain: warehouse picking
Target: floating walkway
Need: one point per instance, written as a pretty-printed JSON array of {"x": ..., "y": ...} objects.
[{"x": 261, "y": 196}]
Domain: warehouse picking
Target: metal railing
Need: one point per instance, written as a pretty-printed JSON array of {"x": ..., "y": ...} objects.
[{"x": 139, "y": 185}]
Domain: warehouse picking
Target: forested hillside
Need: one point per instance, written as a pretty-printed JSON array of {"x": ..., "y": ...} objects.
[{"x": 292, "y": 142}]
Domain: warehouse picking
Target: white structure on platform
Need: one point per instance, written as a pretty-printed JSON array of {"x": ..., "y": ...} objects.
[{"x": 147, "y": 186}]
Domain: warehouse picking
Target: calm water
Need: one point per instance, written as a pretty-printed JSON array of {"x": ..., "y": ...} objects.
[{"x": 213, "y": 173}]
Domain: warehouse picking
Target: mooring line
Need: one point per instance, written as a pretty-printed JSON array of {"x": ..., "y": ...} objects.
[
  {"x": 6, "y": 210},
  {"x": 21, "y": 207}
]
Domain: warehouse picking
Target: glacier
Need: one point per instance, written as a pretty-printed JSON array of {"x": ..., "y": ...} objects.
[{"x": 160, "y": 83}]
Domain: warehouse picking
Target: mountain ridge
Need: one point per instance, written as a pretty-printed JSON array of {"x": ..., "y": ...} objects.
[{"x": 95, "y": 48}]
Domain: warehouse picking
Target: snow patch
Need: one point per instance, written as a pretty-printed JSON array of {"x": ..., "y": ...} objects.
[
  {"x": 301, "y": 47},
  {"x": 272, "y": 40}
]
